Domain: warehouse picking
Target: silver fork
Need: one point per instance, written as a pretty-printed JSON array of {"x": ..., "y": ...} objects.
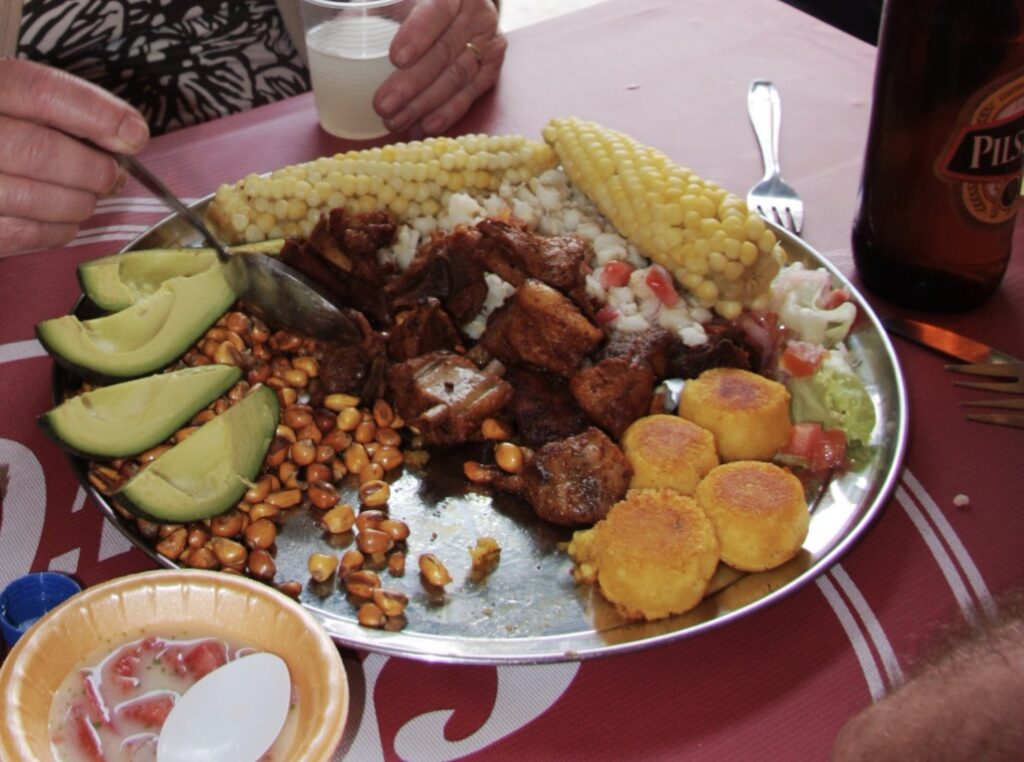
[
  {"x": 1013, "y": 373},
  {"x": 773, "y": 198}
]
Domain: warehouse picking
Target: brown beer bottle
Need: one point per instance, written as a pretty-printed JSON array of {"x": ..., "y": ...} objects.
[{"x": 942, "y": 172}]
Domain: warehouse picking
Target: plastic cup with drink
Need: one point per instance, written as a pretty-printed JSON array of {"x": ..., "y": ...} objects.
[{"x": 347, "y": 44}]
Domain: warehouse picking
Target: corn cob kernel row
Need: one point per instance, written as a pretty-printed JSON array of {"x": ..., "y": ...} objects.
[
  {"x": 705, "y": 236},
  {"x": 407, "y": 179}
]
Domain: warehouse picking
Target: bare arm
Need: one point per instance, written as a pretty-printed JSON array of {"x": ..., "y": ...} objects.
[{"x": 49, "y": 181}]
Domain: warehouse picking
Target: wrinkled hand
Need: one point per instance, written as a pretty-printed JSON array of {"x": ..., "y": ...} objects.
[
  {"x": 439, "y": 76},
  {"x": 49, "y": 181}
]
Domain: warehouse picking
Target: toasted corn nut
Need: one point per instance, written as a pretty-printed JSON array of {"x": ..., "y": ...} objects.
[
  {"x": 388, "y": 458},
  {"x": 388, "y": 437},
  {"x": 203, "y": 558},
  {"x": 148, "y": 529},
  {"x": 356, "y": 458},
  {"x": 227, "y": 354},
  {"x": 362, "y": 583},
  {"x": 307, "y": 365},
  {"x": 398, "y": 530},
  {"x": 285, "y": 394},
  {"x": 340, "y": 518},
  {"x": 258, "y": 492},
  {"x": 325, "y": 420},
  {"x": 298, "y": 416},
  {"x": 369, "y": 520},
  {"x": 173, "y": 544},
  {"x": 263, "y": 511},
  {"x": 321, "y": 566},
  {"x": 182, "y": 434},
  {"x": 286, "y": 432},
  {"x": 396, "y": 564},
  {"x": 291, "y": 588},
  {"x": 324, "y": 453},
  {"x": 198, "y": 536},
  {"x": 351, "y": 561},
  {"x": 365, "y": 432},
  {"x": 203, "y": 416},
  {"x": 318, "y": 472},
  {"x": 260, "y": 332},
  {"x": 383, "y": 414},
  {"x": 492, "y": 428},
  {"x": 227, "y": 524},
  {"x": 220, "y": 406},
  {"x": 374, "y": 493},
  {"x": 371, "y": 472},
  {"x": 338, "y": 469},
  {"x": 371, "y": 448},
  {"x": 303, "y": 452},
  {"x": 371, "y": 616},
  {"x": 391, "y": 602},
  {"x": 261, "y": 533},
  {"x": 509, "y": 457},
  {"x": 285, "y": 342},
  {"x": 277, "y": 452},
  {"x": 349, "y": 419},
  {"x": 475, "y": 472},
  {"x": 261, "y": 565},
  {"x": 311, "y": 432},
  {"x": 339, "y": 402},
  {"x": 323, "y": 495},
  {"x": 152, "y": 454},
  {"x": 485, "y": 556},
  {"x": 338, "y": 440},
  {"x": 258, "y": 375},
  {"x": 433, "y": 570},
  {"x": 238, "y": 322},
  {"x": 371, "y": 541},
  {"x": 168, "y": 529},
  {"x": 288, "y": 498},
  {"x": 238, "y": 391},
  {"x": 229, "y": 552},
  {"x": 288, "y": 473}
]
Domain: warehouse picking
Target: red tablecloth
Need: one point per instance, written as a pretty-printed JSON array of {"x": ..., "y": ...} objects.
[{"x": 775, "y": 685}]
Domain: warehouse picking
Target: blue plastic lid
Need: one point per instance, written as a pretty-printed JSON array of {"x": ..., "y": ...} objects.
[{"x": 28, "y": 598}]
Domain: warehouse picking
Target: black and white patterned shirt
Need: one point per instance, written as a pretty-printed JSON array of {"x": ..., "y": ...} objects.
[{"x": 179, "y": 62}]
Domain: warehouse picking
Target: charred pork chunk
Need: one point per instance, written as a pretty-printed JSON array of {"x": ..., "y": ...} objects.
[
  {"x": 652, "y": 346},
  {"x": 443, "y": 269},
  {"x": 543, "y": 409},
  {"x": 512, "y": 252},
  {"x": 614, "y": 392},
  {"x": 540, "y": 327},
  {"x": 446, "y": 397},
  {"x": 572, "y": 482},
  {"x": 422, "y": 329},
  {"x": 726, "y": 347},
  {"x": 355, "y": 368}
]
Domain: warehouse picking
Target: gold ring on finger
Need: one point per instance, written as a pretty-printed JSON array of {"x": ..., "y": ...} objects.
[{"x": 476, "y": 51}]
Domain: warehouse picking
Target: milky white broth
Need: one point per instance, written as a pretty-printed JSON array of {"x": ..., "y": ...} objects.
[{"x": 112, "y": 709}]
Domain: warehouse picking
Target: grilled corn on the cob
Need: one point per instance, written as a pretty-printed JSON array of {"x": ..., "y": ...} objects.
[
  {"x": 719, "y": 251},
  {"x": 406, "y": 179}
]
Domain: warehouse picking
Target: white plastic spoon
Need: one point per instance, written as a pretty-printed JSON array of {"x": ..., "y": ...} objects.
[{"x": 234, "y": 712}]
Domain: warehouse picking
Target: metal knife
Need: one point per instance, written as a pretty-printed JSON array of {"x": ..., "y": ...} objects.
[
  {"x": 945, "y": 341},
  {"x": 278, "y": 294}
]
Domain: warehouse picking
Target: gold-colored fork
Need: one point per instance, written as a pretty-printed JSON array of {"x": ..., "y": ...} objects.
[{"x": 1013, "y": 373}]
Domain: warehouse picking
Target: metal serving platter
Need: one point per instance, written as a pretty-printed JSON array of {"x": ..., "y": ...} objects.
[{"x": 529, "y": 610}]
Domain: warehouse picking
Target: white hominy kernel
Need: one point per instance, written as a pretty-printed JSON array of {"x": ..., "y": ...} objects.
[{"x": 961, "y": 501}]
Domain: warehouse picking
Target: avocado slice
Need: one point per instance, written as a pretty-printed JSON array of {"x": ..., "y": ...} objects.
[
  {"x": 208, "y": 472},
  {"x": 130, "y": 417},
  {"x": 145, "y": 337},
  {"x": 118, "y": 281}
]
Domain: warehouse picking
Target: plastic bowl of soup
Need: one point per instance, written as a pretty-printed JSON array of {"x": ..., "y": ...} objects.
[{"x": 185, "y": 611}]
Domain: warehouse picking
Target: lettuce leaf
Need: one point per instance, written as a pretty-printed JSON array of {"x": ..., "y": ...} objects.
[
  {"x": 799, "y": 297},
  {"x": 834, "y": 396}
]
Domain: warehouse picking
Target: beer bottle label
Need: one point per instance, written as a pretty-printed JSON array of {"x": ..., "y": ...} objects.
[{"x": 984, "y": 158}]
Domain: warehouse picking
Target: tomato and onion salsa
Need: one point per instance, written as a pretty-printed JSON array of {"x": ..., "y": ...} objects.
[{"x": 113, "y": 709}]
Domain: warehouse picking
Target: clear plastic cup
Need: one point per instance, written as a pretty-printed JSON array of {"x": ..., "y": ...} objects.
[{"x": 347, "y": 46}]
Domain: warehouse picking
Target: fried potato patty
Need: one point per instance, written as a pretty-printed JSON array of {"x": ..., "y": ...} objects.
[
  {"x": 759, "y": 513},
  {"x": 747, "y": 413},
  {"x": 668, "y": 451},
  {"x": 652, "y": 555}
]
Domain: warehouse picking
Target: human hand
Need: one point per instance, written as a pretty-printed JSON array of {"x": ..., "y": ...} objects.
[
  {"x": 49, "y": 181},
  {"x": 439, "y": 76}
]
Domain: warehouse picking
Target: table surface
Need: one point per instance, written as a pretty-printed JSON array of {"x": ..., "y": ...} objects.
[{"x": 777, "y": 684}]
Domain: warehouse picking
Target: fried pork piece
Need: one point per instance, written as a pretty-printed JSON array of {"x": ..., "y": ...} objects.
[
  {"x": 538, "y": 326},
  {"x": 422, "y": 329},
  {"x": 726, "y": 347},
  {"x": 652, "y": 556},
  {"x": 354, "y": 368},
  {"x": 653, "y": 346},
  {"x": 747, "y": 413},
  {"x": 572, "y": 481},
  {"x": 759, "y": 512},
  {"x": 444, "y": 269},
  {"x": 511, "y": 251},
  {"x": 668, "y": 451},
  {"x": 543, "y": 409},
  {"x": 446, "y": 397},
  {"x": 614, "y": 392}
]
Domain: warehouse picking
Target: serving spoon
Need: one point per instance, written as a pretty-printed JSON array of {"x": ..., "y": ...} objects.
[
  {"x": 233, "y": 713},
  {"x": 277, "y": 293}
]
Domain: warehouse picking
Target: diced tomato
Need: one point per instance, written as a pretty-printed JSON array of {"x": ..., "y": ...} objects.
[
  {"x": 835, "y": 297},
  {"x": 205, "y": 657},
  {"x": 804, "y": 440},
  {"x": 831, "y": 451},
  {"x": 615, "y": 274},
  {"x": 150, "y": 711},
  {"x": 801, "y": 358},
  {"x": 87, "y": 740},
  {"x": 127, "y": 664},
  {"x": 606, "y": 315},
  {"x": 660, "y": 282}
]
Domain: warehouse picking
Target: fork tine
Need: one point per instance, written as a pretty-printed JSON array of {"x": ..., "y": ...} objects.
[
  {"x": 1012, "y": 403},
  {"x": 1013, "y": 387},
  {"x": 1001, "y": 369},
  {"x": 1001, "y": 419}
]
